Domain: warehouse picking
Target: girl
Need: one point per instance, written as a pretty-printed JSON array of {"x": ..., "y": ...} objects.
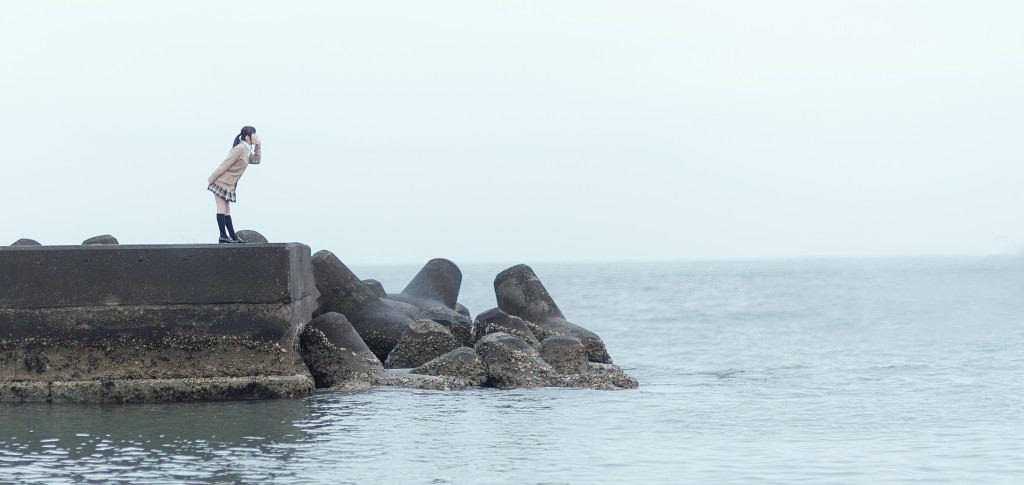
[{"x": 223, "y": 181}]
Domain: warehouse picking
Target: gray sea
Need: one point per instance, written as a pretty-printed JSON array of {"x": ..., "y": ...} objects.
[{"x": 824, "y": 371}]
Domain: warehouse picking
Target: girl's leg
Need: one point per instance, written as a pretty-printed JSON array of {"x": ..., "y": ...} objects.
[
  {"x": 231, "y": 228},
  {"x": 222, "y": 207},
  {"x": 227, "y": 221}
]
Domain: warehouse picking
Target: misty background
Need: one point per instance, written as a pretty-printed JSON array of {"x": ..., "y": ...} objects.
[{"x": 530, "y": 131}]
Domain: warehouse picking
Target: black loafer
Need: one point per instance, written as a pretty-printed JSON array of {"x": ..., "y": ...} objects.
[
  {"x": 239, "y": 240},
  {"x": 225, "y": 240}
]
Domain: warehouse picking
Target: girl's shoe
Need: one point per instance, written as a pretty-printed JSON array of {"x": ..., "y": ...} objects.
[
  {"x": 239, "y": 240},
  {"x": 225, "y": 240}
]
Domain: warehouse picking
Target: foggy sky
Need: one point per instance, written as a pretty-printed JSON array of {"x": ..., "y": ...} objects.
[{"x": 482, "y": 131}]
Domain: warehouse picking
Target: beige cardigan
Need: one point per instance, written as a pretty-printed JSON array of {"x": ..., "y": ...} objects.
[{"x": 231, "y": 169}]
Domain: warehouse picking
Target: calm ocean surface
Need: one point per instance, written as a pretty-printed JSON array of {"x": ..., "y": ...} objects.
[{"x": 844, "y": 371}]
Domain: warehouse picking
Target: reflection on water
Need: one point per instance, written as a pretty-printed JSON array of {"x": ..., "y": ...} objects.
[
  {"x": 862, "y": 372},
  {"x": 144, "y": 442}
]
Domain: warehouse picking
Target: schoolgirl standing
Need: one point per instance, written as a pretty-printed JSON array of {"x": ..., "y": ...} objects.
[{"x": 224, "y": 180}]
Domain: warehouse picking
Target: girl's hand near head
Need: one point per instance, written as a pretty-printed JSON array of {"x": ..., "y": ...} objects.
[{"x": 255, "y": 139}]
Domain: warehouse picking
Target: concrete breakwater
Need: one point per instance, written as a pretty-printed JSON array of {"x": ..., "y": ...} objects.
[
  {"x": 153, "y": 323},
  {"x": 121, "y": 323}
]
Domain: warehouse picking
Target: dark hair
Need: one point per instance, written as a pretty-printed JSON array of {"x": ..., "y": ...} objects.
[{"x": 246, "y": 131}]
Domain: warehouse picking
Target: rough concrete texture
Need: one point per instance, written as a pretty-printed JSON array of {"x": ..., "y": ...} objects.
[
  {"x": 25, "y": 242},
  {"x": 105, "y": 239},
  {"x": 409, "y": 310},
  {"x": 376, "y": 288},
  {"x": 462, "y": 363},
  {"x": 495, "y": 320},
  {"x": 341, "y": 291},
  {"x": 336, "y": 355},
  {"x": 424, "y": 341},
  {"x": 458, "y": 324},
  {"x": 511, "y": 362},
  {"x": 602, "y": 377},
  {"x": 565, "y": 354},
  {"x": 420, "y": 303},
  {"x": 251, "y": 237},
  {"x": 157, "y": 390},
  {"x": 210, "y": 322},
  {"x": 403, "y": 378},
  {"x": 440, "y": 280},
  {"x": 520, "y": 293},
  {"x": 541, "y": 333}
]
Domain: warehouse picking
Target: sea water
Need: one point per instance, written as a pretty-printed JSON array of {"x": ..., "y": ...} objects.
[{"x": 826, "y": 371}]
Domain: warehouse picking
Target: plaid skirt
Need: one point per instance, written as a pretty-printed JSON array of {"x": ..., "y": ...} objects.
[{"x": 228, "y": 195}]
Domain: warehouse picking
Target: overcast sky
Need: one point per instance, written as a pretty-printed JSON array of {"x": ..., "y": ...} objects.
[{"x": 524, "y": 131}]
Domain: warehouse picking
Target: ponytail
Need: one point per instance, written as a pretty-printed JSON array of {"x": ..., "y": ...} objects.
[{"x": 246, "y": 131}]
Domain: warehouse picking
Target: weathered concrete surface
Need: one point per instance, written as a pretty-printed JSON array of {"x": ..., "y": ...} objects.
[
  {"x": 376, "y": 288},
  {"x": 566, "y": 354},
  {"x": 423, "y": 341},
  {"x": 154, "y": 390},
  {"x": 151, "y": 323},
  {"x": 336, "y": 355},
  {"x": 25, "y": 242},
  {"x": 495, "y": 320},
  {"x": 520, "y": 293},
  {"x": 251, "y": 237},
  {"x": 409, "y": 310},
  {"x": 511, "y": 362},
  {"x": 461, "y": 363},
  {"x": 406, "y": 379},
  {"x": 458, "y": 324},
  {"x": 439, "y": 280},
  {"x": 380, "y": 325},
  {"x": 104, "y": 239},
  {"x": 597, "y": 376},
  {"x": 436, "y": 284}
]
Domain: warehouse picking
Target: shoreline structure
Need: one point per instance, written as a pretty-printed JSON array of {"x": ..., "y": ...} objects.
[{"x": 149, "y": 323}]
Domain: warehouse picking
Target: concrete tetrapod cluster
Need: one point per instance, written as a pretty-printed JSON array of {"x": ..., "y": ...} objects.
[
  {"x": 362, "y": 332},
  {"x": 105, "y": 322}
]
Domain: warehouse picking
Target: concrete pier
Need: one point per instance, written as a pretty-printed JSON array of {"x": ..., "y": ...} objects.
[{"x": 107, "y": 323}]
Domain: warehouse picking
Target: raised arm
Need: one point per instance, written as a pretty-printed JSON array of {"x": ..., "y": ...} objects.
[{"x": 255, "y": 157}]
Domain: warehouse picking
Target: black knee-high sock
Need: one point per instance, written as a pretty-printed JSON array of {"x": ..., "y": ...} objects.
[
  {"x": 220, "y": 224},
  {"x": 231, "y": 228}
]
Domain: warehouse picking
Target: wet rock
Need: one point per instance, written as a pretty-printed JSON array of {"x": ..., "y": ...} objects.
[
  {"x": 565, "y": 354},
  {"x": 602, "y": 377},
  {"x": 380, "y": 325},
  {"x": 376, "y": 287},
  {"x": 458, "y": 324},
  {"x": 511, "y": 362},
  {"x": 459, "y": 307},
  {"x": 495, "y": 320},
  {"x": 335, "y": 354},
  {"x": 409, "y": 310},
  {"x": 251, "y": 237},
  {"x": 406, "y": 379},
  {"x": 424, "y": 341},
  {"x": 610, "y": 375},
  {"x": 26, "y": 242},
  {"x": 520, "y": 293},
  {"x": 105, "y": 239},
  {"x": 462, "y": 363}
]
